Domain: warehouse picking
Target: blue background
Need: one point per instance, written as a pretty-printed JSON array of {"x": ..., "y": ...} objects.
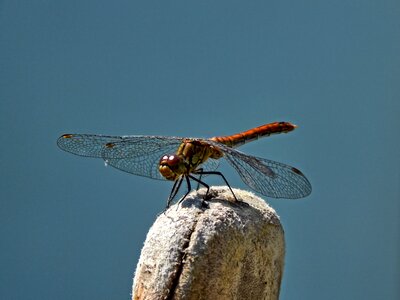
[{"x": 72, "y": 229}]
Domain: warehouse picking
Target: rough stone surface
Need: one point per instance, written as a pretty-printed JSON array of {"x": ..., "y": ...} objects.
[{"x": 218, "y": 249}]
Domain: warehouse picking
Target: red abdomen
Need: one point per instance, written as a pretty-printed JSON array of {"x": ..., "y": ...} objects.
[{"x": 241, "y": 138}]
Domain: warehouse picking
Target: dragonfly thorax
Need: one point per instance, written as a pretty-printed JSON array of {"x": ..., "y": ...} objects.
[{"x": 189, "y": 156}]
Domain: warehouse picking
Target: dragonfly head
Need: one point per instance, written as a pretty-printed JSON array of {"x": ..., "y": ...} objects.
[{"x": 171, "y": 166}]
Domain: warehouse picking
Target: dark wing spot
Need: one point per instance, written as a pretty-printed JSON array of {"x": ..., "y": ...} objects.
[
  {"x": 110, "y": 145},
  {"x": 67, "y": 136},
  {"x": 297, "y": 171}
]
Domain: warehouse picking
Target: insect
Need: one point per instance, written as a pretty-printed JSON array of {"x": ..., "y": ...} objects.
[{"x": 179, "y": 158}]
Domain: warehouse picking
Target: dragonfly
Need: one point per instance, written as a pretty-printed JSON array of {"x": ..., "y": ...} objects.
[{"x": 181, "y": 158}]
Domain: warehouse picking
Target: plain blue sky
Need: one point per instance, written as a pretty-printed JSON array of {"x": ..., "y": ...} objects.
[{"x": 72, "y": 229}]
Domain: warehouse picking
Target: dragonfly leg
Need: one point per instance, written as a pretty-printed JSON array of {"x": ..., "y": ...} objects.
[
  {"x": 202, "y": 183},
  {"x": 174, "y": 191},
  {"x": 200, "y": 173},
  {"x": 188, "y": 191},
  {"x": 220, "y": 174}
]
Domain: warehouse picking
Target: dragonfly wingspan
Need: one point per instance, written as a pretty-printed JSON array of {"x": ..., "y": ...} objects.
[
  {"x": 267, "y": 177},
  {"x": 141, "y": 154}
]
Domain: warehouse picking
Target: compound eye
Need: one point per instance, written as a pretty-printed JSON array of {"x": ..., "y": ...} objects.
[
  {"x": 173, "y": 160},
  {"x": 170, "y": 160}
]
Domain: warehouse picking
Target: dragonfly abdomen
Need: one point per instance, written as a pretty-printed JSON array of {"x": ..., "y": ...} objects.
[{"x": 253, "y": 134}]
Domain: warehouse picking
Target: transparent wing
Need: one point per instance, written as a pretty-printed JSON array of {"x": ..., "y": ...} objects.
[
  {"x": 265, "y": 176},
  {"x": 138, "y": 155},
  {"x": 90, "y": 145},
  {"x": 210, "y": 164}
]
